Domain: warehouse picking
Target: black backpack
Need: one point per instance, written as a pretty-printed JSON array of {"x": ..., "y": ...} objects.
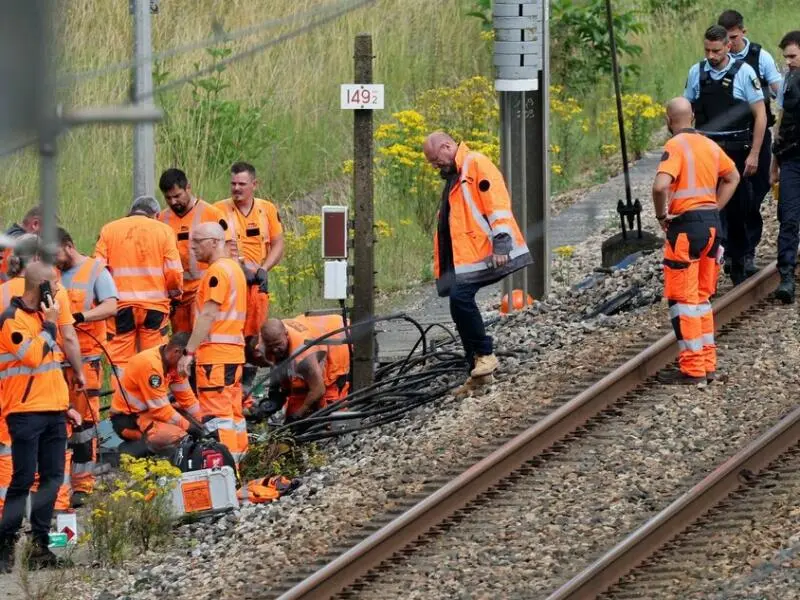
[{"x": 193, "y": 455}]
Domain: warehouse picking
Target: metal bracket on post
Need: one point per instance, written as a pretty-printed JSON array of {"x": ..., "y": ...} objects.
[{"x": 630, "y": 210}]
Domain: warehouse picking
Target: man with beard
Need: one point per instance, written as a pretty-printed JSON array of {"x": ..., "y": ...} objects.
[
  {"x": 786, "y": 166},
  {"x": 729, "y": 108},
  {"x": 695, "y": 180},
  {"x": 184, "y": 214},
  {"x": 93, "y": 299},
  {"x": 477, "y": 241}
]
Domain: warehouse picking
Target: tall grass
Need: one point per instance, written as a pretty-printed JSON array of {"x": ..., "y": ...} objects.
[{"x": 418, "y": 44}]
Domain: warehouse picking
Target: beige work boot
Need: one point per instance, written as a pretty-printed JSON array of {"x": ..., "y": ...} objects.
[{"x": 485, "y": 365}]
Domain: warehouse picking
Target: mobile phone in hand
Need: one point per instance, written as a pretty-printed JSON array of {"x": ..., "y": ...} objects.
[{"x": 46, "y": 293}]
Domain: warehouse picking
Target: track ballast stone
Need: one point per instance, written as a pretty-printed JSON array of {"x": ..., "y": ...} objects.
[{"x": 251, "y": 551}]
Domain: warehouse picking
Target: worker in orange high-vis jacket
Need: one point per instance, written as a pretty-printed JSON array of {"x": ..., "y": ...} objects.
[
  {"x": 256, "y": 227},
  {"x": 143, "y": 258},
  {"x": 185, "y": 212},
  {"x": 31, "y": 223},
  {"x": 26, "y": 253},
  {"x": 35, "y": 403},
  {"x": 92, "y": 300},
  {"x": 319, "y": 374},
  {"x": 477, "y": 241},
  {"x": 695, "y": 180},
  {"x": 217, "y": 342},
  {"x": 142, "y": 412}
]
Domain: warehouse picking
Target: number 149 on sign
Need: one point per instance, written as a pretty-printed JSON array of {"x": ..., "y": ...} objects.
[{"x": 356, "y": 96}]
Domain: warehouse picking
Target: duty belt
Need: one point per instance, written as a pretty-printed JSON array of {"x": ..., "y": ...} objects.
[{"x": 731, "y": 140}]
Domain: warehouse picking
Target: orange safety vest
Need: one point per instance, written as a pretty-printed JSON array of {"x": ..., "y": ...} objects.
[
  {"x": 201, "y": 212},
  {"x": 252, "y": 232},
  {"x": 695, "y": 163},
  {"x": 147, "y": 387},
  {"x": 480, "y": 209},
  {"x": 16, "y": 287},
  {"x": 142, "y": 256},
  {"x": 334, "y": 358},
  {"x": 225, "y": 283},
  {"x": 81, "y": 297},
  {"x": 30, "y": 363}
]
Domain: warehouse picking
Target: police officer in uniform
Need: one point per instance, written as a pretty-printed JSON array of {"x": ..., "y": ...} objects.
[
  {"x": 764, "y": 65},
  {"x": 729, "y": 108},
  {"x": 786, "y": 166}
]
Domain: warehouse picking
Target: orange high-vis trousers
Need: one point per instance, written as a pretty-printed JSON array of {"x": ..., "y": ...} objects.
[
  {"x": 182, "y": 318},
  {"x": 333, "y": 393},
  {"x": 134, "y": 329},
  {"x": 219, "y": 392},
  {"x": 257, "y": 311},
  {"x": 158, "y": 435},
  {"x": 691, "y": 270},
  {"x": 83, "y": 441}
]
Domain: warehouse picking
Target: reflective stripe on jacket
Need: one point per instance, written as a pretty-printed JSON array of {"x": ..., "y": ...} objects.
[
  {"x": 253, "y": 233},
  {"x": 481, "y": 223},
  {"x": 147, "y": 388},
  {"x": 142, "y": 256},
  {"x": 30, "y": 362},
  {"x": 695, "y": 164},
  {"x": 224, "y": 284},
  {"x": 81, "y": 298},
  {"x": 182, "y": 226},
  {"x": 334, "y": 358}
]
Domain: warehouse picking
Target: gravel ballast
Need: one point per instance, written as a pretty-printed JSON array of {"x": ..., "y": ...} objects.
[{"x": 369, "y": 472}]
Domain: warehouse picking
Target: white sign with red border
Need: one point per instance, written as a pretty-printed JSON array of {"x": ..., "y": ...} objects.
[{"x": 362, "y": 96}]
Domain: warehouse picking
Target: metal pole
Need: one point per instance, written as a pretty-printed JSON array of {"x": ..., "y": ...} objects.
[
  {"x": 364, "y": 261},
  {"x": 144, "y": 160},
  {"x": 620, "y": 117},
  {"x": 48, "y": 134}
]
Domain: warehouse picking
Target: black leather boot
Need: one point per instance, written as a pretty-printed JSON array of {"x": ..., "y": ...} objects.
[{"x": 785, "y": 291}]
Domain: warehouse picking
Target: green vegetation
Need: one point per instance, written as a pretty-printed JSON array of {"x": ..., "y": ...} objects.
[{"x": 280, "y": 108}]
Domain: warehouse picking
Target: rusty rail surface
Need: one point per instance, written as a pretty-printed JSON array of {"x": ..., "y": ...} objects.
[
  {"x": 652, "y": 535},
  {"x": 407, "y": 527}
]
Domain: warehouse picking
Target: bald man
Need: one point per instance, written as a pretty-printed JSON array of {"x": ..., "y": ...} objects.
[
  {"x": 477, "y": 241},
  {"x": 318, "y": 375},
  {"x": 695, "y": 180},
  {"x": 217, "y": 340}
]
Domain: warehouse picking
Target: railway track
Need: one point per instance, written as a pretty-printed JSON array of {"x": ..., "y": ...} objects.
[{"x": 491, "y": 488}]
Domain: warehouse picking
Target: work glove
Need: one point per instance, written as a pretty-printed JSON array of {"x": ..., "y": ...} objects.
[
  {"x": 197, "y": 431},
  {"x": 259, "y": 278}
]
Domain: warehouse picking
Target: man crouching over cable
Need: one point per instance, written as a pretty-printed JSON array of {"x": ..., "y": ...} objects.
[
  {"x": 316, "y": 377},
  {"x": 36, "y": 405}
]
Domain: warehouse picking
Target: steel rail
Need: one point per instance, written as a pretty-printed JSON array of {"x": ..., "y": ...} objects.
[
  {"x": 652, "y": 535},
  {"x": 424, "y": 515}
]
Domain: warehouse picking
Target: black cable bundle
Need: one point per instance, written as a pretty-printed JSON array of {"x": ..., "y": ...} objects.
[{"x": 399, "y": 387}]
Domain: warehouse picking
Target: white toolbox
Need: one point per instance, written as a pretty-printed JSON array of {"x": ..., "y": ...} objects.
[{"x": 205, "y": 491}]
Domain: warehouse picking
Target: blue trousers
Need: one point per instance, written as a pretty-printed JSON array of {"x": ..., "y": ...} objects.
[
  {"x": 469, "y": 321},
  {"x": 38, "y": 439},
  {"x": 760, "y": 185},
  {"x": 789, "y": 214}
]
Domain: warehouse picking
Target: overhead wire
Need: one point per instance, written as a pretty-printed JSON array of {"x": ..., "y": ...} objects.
[
  {"x": 254, "y": 50},
  {"x": 320, "y": 17},
  {"x": 219, "y": 37}
]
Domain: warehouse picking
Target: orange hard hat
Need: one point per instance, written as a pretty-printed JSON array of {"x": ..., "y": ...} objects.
[{"x": 519, "y": 303}]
